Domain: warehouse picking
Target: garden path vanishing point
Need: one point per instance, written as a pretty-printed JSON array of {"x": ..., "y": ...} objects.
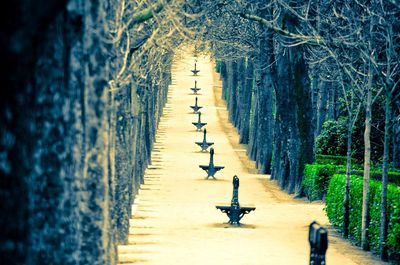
[{"x": 174, "y": 216}]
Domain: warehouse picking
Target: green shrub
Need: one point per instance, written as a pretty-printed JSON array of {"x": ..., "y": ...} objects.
[
  {"x": 332, "y": 160},
  {"x": 374, "y": 225},
  {"x": 334, "y": 201},
  {"x": 393, "y": 240},
  {"x": 334, "y": 210},
  {"x": 375, "y": 214},
  {"x": 316, "y": 180},
  {"x": 376, "y": 174},
  {"x": 356, "y": 190},
  {"x": 333, "y": 138}
]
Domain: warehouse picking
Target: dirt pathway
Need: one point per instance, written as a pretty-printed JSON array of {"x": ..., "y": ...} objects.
[{"x": 174, "y": 217}]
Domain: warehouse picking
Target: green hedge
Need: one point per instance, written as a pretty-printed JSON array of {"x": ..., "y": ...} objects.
[
  {"x": 317, "y": 177},
  {"x": 334, "y": 210},
  {"x": 334, "y": 201},
  {"x": 332, "y": 160},
  {"x": 376, "y": 174},
  {"x": 316, "y": 180}
]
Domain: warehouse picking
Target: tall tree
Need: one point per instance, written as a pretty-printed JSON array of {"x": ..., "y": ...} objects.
[{"x": 294, "y": 135}]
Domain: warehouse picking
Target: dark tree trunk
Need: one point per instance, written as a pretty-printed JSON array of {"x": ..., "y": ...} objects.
[
  {"x": 294, "y": 135},
  {"x": 385, "y": 170},
  {"x": 322, "y": 106},
  {"x": 253, "y": 134},
  {"x": 232, "y": 90},
  {"x": 224, "y": 78},
  {"x": 246, "y": 103},
  {"x": 396, "y": 135},
  {"x": 69, "y": 144},
  {"x": 266, "y": 81},
  {"x": 241, "y": 94},
  {"x": 315, "y": 92},
  {"x": 333, "y": 100}
]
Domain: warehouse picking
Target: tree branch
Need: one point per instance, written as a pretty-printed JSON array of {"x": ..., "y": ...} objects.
[
  {"x": 148, "y": 13},
  {"x": 312, "y": 40}
]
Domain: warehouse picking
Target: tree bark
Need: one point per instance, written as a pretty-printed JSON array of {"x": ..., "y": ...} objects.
[
  {"x": 265, "y": 84},
  {"x": 224, "y": 77},
  {"x": 367, "y": 163},
  {"x": 253, "y": 134},
  {"x": 246, "y": 102},
  {"x": 385, "y": 170},
  {"x": 232, "y": 90},
  {"x": 346, "y": 203},
  {"x": 294, "y": 132},
  {"x": 386, "y": 147},
  {"x": 322, "y": 106},
  {"x": 241, "y": 94},
  {"x": 396, "y": 136}
]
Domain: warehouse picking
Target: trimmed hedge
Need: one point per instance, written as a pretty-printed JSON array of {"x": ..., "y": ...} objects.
[
  {"x": 334, "y": 210},
  {"x": 317, "y": 177},
  {"x": 376, "y": 174},
  {"x": 332, "y": 160},
  {"x": 334, "y": 201},
  {"x": 316, "y": 180}
]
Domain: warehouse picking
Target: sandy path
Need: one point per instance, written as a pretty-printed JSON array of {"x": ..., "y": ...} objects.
[{"x": 175, "y": 220}]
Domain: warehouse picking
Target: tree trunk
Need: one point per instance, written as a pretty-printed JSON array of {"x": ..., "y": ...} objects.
[
  {"x": 315, "y": 94},
  {"x": 241, "y": 92},
  {"x": 396, "y": 136},
  {"x": 346, "y": 204},
  {"x": 367, "y": 163},
  {"x": 385, "y": 169},
  {"x": 232, "y": 90},
  {"x": 332, "y": 104},
  {"x": 322, "y": 106},
  {"x": 386, "y": 147},
  {"x": 224, "y": 78},
  {"x": 294, "y": 135},
  {"x": 246, "y": 103},
  {"x": 265, "y": 85},
  {"x": 253, "y": 135}
]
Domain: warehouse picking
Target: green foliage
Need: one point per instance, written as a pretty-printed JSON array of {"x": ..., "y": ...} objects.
[
  {"x": 376, "y": 174},
  {"x": 334, "y": 210},
  {"x": 393, "y": 240},
  {"x": 333, "y": 160},
  {"x": 334, "y": 204},
  {"x": 334, "y": 201},
  {"x": 317, "y": 177},
  {"x": 316, "y": 180},
  {"x": 375, "y": 212},
  {"x": 356, "y": 190},
  {"x": 332, "y": 139}
]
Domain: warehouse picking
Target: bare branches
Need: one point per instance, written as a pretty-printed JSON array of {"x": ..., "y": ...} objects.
[{"x": 147, "y": 13}]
